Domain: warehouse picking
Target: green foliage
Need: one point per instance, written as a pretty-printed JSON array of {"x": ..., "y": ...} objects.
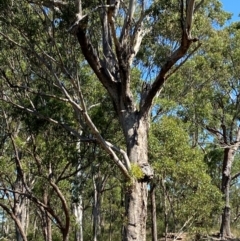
[
  {"x": 214, "y": 159},
  {"x": 206, "y": 98},
  {"x": 136, "y": 171},
  {"x": 166, "y": 27},
  {"x": 184, "y": 174}
]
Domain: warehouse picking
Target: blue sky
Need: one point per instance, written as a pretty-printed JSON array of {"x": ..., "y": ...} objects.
[{"x": 232, "y": 6}]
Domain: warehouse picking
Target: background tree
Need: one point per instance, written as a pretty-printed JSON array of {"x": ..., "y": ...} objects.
[
  {"x": 212, "y": 108},
  {"x": 188, "y": 196}
]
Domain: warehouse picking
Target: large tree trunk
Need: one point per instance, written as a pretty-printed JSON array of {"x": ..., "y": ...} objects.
[
  {"x": 113, "y": 70},
  {"x": 136, "y": 196},
  {"x": 136, "y": 208},
  {"x": 225, "y": 224}
]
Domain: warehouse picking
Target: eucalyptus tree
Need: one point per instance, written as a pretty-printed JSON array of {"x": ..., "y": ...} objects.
[
  {"x": 111, "y": 37},
  {"x": 212, "y": 108},
  {"x": 225, "y": 124}
]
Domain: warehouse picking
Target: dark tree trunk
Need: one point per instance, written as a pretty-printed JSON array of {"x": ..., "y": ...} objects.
[
  {"x": 231, "y": 145},
  {"x": 225, "y": 225},
  {"x": 225, "y": 230}
]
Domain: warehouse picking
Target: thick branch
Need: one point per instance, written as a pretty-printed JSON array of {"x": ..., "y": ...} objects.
[
  {"x": 93, "y": 60},
  {"x": 186, "y": 41},
  {"x": 111, "y": 20},
  {"x": 184, "y": 61},
  {"x": 131, "y": 10},
  {"x": 159, "y": 81},
  {"x": 103, "y": 143},
  {"x": 83, "y": 111},
  {"x": 124, "y": 154},
  {"x": 78, "y": 5},
  {"x": 50, "y": 3},
  {"x": 215, "y": 132},
  {"x": 235, "y": 176},
  {"x": 64, "y": 206},
  {"x": 189, "y": 17},
  {"x": 127, "y": 22},
  {"x": 15, "y": 219},
  {"x": 105, "y": 146},
  {"x": 136, "y": 40},
  {"x": 109, "y": 61}
]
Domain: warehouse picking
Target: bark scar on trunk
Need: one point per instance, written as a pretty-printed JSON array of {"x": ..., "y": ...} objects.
[
  {"x": 132, "y": 224},
  {"x": 147, "y": 171}
]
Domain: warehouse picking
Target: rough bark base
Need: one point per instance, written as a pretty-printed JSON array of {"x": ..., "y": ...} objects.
[
  {"x": 225, "y": 230},
  {"x": 136, "y": 208}
]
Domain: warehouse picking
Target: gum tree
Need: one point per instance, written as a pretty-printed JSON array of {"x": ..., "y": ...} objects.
[
  {"x": 112, "y": 36},
  {"x": 212, "y": 108},
  {"x": 112, "y": 67}
]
